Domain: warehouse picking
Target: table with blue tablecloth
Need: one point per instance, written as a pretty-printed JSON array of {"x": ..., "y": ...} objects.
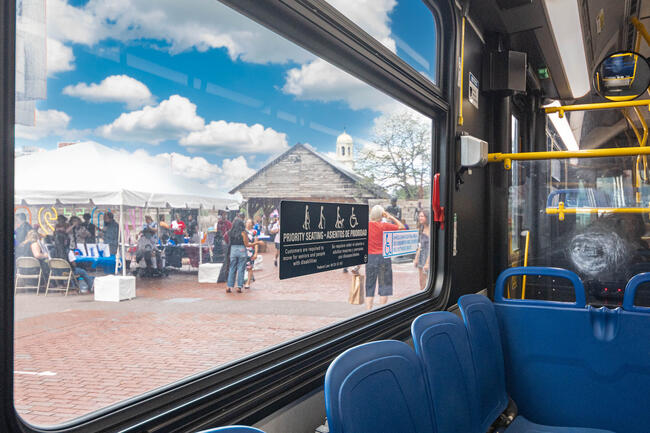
[{"x": 107, "y": 264}]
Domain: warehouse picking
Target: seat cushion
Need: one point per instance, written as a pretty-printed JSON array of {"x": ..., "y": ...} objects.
[{"x": 522, "y": 425}]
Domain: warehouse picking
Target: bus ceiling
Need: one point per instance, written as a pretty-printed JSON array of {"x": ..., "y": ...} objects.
[{"x": 539, "y": 28}]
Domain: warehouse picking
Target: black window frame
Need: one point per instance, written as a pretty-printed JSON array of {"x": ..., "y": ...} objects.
[{"x": 252, "y": 387}]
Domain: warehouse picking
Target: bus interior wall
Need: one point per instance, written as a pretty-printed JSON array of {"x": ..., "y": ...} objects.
[{"x": 468, "y": 219}]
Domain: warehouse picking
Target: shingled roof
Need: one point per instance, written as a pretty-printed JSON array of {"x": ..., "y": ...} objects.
[{"x": 378, "y": 191}]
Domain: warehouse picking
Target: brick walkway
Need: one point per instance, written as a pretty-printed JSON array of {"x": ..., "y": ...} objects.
[{"x": 74, "y": 356}]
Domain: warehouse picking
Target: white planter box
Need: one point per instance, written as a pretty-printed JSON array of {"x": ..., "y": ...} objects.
[
  {"x": 209, "y": 272},
  {"x": 114, "y": 288}
]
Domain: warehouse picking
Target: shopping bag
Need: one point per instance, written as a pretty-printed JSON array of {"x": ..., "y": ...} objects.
[{"x": 356, "y": 290}]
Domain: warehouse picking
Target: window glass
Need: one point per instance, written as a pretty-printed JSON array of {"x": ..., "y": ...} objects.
[
  {"x": 405, "y": 27},
  {"x": 143, "y": 129},
  {"x": 539, "y": 287},
  {"x": 589, "y": 216}
]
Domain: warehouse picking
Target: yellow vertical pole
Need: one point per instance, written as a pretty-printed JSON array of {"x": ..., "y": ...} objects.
[
  {"x": 640, "y": 28},
  {"x": 462, "y": 65},
  {"x": 644, "y": 141},
  {"x": 523, "y": 280}
]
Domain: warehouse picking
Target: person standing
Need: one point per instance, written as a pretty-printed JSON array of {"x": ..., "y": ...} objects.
[
  {"x": 251, "y": 251},
  {"x": 92, "y": 228},
  {"x": 394, "y": 209},
  {"x": 20, "y": 233},
  {"x": 421, "y": 260},
  {"x": 238, "y": 257},
  {"x": 378, "y": 269},
  {"x": 223, "y": 226},
  {"x": 192, "y": 226},
  {"x": 111, "y": 232},
  {"x": 77, "y": 232},
  {"x": 178, "y": 229},
  {"x": 274, "y": 229},
  {"x": 150, "y": 224},
  {"x": 61, "y": 238}
]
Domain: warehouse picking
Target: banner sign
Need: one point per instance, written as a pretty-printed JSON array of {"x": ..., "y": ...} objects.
[
  {"x": 400, "y": 243},
  {"x": 317, "y": 237}
]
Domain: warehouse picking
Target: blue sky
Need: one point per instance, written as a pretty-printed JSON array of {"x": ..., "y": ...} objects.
[{"x": 202, "y": 82}]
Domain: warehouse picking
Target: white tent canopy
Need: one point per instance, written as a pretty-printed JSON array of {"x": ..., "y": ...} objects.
[{"x": 90, "y": 172}]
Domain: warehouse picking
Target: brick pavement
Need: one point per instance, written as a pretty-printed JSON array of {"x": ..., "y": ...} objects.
[{"x": 74, "y": 356}]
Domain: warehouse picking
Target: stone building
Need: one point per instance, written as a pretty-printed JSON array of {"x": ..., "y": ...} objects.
[{"x": 302, "y": 173}]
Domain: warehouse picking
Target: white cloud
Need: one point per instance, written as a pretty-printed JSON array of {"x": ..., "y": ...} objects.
[
  {"x": 223, "y": 137},
  {"x": 231, "y": 172},
  {"x": 321, "y": 81},
  {"x": 373, "y": 16},
  {"x": 47, "y": 123},
  {"x": 59, "y": 57},
  {"x": 194, "y": 167},
  {"x": 116, "y": 88},
  {"x": 235, "y": 171},
  {"x": 71, "y": 24},
  {"x": 191, "y": 24},
  {"x": 172, "y": 119}
]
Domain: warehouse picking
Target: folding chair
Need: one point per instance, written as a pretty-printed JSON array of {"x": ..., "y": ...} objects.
[
  {"x": 61, "y": 267},
  {"x": 23, "y": 267}
]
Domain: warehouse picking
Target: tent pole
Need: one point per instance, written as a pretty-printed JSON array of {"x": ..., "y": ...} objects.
[
  {"x": 119, "y": 236},
  {"x": 123, "y": 240},
  {"x": 198, "y": 229}
]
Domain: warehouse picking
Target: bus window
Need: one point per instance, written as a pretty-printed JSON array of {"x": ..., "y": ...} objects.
[
  {"x": 593, "y": 222},
  {"x": 642, "y": 297},
  {"x": 392, "y": 23},
  {"x": 540, "y": 287},
  {"x": 157, "y": 143}
]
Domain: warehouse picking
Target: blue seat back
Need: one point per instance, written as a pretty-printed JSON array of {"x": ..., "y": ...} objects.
[
  {"x": 377, "y": 387},
  {"x": 441, "y": 343},
  {"x": 233, "y": 429},
  {"x": 576, "y": 365},
  {"x": 485, "y": 342}
]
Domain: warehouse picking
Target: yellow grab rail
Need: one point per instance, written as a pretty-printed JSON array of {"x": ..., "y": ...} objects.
[
  {"x": 642, "y": 142},
  {"x": 507, "y": 158},
  {"x": 462, "y": 67},
  {"x": 597, "y": 106},
  {"x": 561, "y": 211},
  {"x": 640, "y": 28}
]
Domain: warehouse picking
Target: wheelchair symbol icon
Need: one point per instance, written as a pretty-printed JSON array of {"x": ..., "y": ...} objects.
[{"x": 388, "y": 248}]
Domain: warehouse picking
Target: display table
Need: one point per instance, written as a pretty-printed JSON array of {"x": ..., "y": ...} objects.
[
  {"x": 209, "y": 272},
  {"x": 107, "y": 264},
  {"x": 114, "y": 288},
  {"x": 175, "y": 253}
]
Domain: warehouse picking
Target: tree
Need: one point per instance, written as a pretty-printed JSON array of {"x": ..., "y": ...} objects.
[{"x": 399, "y": 157}]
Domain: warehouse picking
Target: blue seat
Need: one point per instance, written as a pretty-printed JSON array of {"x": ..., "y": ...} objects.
[
  {"x": 377, "y": 387},
  {"x": 441, "y": 343},
  {"x": 233, "y": 429},
  {"x": 485, "y": 342}
]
